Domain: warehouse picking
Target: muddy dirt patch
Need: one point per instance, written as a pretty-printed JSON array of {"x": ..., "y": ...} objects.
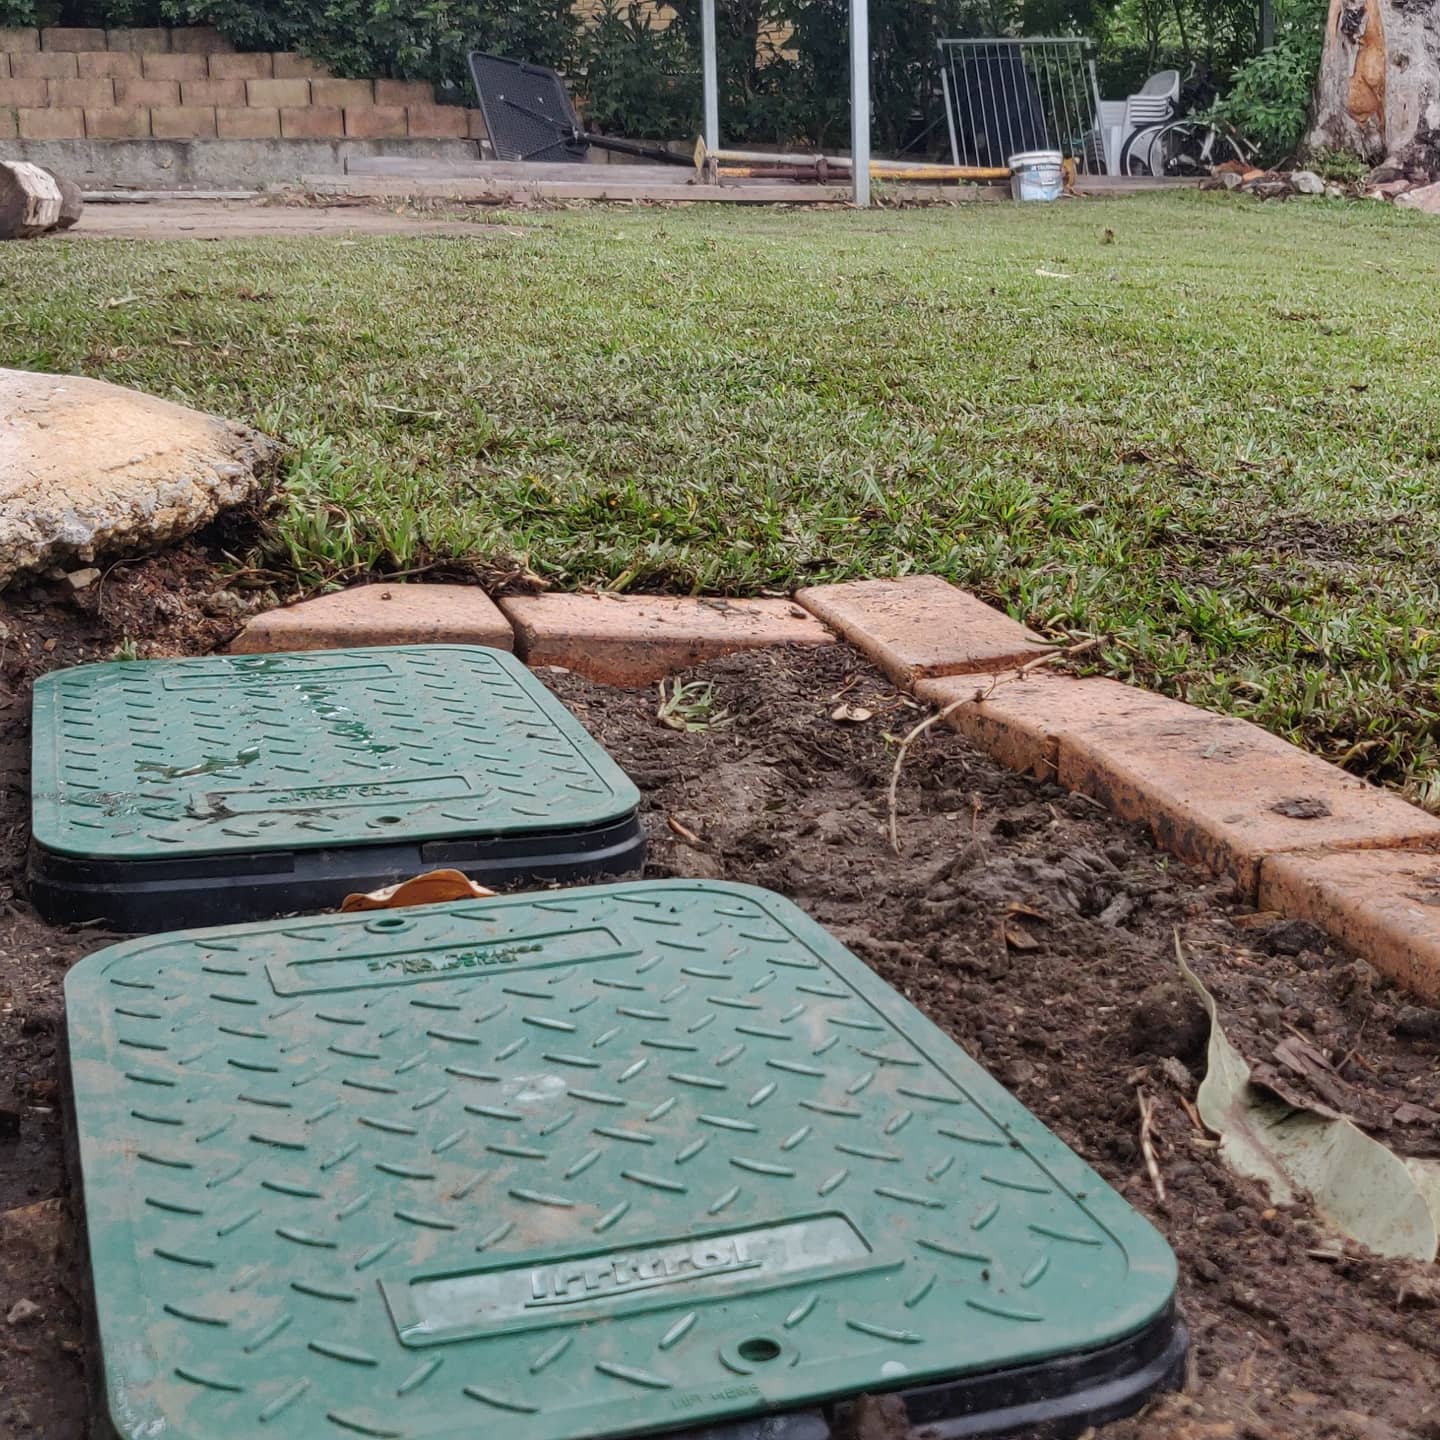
[{"x": 1027, "y": 923}]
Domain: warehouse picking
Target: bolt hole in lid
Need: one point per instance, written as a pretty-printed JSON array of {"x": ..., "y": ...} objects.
[
  {"x": 759, "y": 1348},
  {"x": 578, "y": 1164},
  {"x": 224, "y": 788}
]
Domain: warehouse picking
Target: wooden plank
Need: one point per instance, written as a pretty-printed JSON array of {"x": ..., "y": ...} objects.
[{"x": 496, "y": 190}]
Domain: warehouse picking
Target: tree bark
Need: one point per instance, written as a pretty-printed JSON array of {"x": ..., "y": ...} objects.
[{"x": 1379, "y": 88}]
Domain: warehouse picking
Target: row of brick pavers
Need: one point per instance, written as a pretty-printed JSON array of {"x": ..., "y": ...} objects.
[{"x": 1300, "y": 836}]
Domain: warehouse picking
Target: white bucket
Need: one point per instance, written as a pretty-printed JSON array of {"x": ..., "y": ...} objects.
[{"x": 1037, "y": 175}]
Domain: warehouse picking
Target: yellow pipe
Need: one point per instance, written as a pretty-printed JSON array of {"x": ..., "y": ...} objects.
[{"x": 742, "y": 163}]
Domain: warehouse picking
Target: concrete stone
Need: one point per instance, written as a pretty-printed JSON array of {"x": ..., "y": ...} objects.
[
  {"x": 342, "y": 93},
  {"x": 86, "y": 94},
  {"x": 436, "y": 122},
  {"x": 19, "y": 39},
  {"x": 475, "y": 125},
  {"x": 182, "y": 122},
  {"x": 311, "y": 122},
  {"x": 136, "y": 93},
  {"x": 247, "y": 122},
  {"x": 241, "y": 67},
  {"x": 373, "y": 122},
  {"x": 1424, "y": 198},
  {"x": 381, "y": 614},
  {"x": 212, "y": 92},
  {"x": 173, "y": 67},
  {"x": 87, "y": 467},
  {"x": 1307, "y": 182},
  {"x": 45, "y": 65},
  {"x": 637, "y": 640},
  {"x": 921, "y": 627},
  {"x": 73, "y": 39},
  {"x": 277, "y": 93},
  {"x": 404, "y": 92},
  {"x": 9, "y": 128},
  {"x": 289, "y": 66},
  {"x": 33, "y": 94},
  {"x": 156, "y": 41},
  {"x": 1383, "y": 904},
  {"x": 50, "y": 124},
  {"x": 117, "y": 124},
  {"x": 108, "y": 64},
  {"x": 4, "y": 66},
  {"x": 199, "y": 40},
  {"x": 34, "y": 202}
]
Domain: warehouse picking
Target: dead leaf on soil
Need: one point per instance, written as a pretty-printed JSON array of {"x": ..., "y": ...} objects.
[
  {"x": 851, "y": 714},
  {"x": 1258, "y": 921},
  {"x": 1359, "y": 1186},
  {"x": 1018, "y": 938},
  {"x": 435, "y": 887},
  {"x": 1018, "y": 907}
]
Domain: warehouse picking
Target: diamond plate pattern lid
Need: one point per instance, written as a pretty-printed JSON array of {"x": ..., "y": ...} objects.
[
  {"x": 237, "y": 753},
  {"x": 592, "y": 1163}
]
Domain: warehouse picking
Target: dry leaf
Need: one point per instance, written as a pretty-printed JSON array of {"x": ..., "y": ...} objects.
[
  {"x": 850, "y": 714},
  {"x": 1018, "y": 907},
  {"x": 433, "y": 888},
  {"x": 1019, "y": 939}
]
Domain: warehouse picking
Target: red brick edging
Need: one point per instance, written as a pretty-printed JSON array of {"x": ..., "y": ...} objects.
[{"x": 1299, "y": 835}]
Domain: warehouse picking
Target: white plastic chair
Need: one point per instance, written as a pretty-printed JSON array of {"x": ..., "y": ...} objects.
[{"x": 1155, "y": 102}]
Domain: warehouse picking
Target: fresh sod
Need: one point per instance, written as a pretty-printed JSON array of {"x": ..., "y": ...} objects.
[{"x": 1205, "y": 428}]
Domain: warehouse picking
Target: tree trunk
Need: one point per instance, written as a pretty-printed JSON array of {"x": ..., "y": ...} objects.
[{"x": 1379, "y": 87}]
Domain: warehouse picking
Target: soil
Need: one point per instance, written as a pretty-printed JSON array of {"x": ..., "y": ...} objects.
[{"x": 1030, "y": 925}]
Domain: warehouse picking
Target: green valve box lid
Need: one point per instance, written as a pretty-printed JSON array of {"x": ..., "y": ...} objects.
[
  {"x": 141, "y": 768},
  {"x": 597, "y": 1162}
]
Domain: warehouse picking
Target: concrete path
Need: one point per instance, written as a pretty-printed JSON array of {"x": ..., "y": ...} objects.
[{"x": 240, "y": 219}]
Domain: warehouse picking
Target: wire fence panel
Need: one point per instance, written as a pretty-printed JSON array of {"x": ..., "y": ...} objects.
[{"x": 1004, "y": 97}]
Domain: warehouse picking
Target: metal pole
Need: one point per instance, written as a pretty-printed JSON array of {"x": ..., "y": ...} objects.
[
  {"x": 949, "y": 107},
  {"x": 860, "y": 101},
  {"x": 709, "y": 74}
]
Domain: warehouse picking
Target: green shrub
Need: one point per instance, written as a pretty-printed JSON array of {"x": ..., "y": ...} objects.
[
  {"x": 1338, "y": 165},
  {"x": 1269, "y": 96},
  {"x": 640, "y": 77}
]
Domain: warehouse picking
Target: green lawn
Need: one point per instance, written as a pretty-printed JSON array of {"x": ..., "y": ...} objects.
[{"x": 1205, "y": 428}]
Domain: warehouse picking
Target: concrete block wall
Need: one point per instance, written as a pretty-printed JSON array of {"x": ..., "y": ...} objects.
[{"x": 189, "y": 85}]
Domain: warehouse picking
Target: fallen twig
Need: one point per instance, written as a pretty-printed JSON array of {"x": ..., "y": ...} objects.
[
  {"x": 1147, "y": 1142},
  {"x": 1008, "y": 677},
  {"x": 905, "y": 744},
  {"x": 1306, "y": 635},
  {"x": 929, "y": 722},
  {"x": 684, "y": 832}
]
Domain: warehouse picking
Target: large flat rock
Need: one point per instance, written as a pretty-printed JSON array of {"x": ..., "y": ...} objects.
[{"x": 87, "y": 467}]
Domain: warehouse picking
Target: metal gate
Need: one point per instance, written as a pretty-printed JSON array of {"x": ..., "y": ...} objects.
[{"x": 1004, "y": 97}]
